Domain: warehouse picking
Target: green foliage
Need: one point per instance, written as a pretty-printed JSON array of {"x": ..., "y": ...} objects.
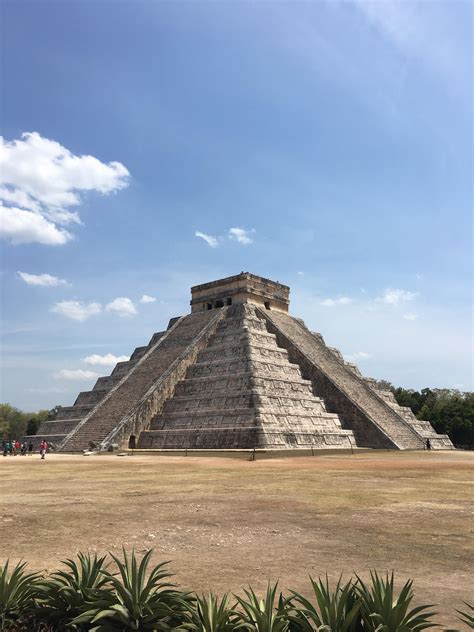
[
  {"x": 87, "y": 596},
  {"x": 208, "y": 614},
  {"x": 336, "y": 610},
  {"x": 17, "y": 592},
  {"x": 263, "y": 615},
  {"x": 64, "y": 595},
  {"x": 467, "y": 616},
  {"x": 383, "y": 611},
  {"x": 132, "y": 600},
  {"x": 449, "y": 411},
  {"x": 15, "y": 424}
]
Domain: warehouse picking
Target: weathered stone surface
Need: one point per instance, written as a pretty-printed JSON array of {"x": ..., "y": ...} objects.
[
  {"x": 375, "y": 421},
  {"x": 242, "y": 393}
]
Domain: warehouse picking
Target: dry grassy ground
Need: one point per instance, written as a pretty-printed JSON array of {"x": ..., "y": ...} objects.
[{"x": 225, "y": 522}]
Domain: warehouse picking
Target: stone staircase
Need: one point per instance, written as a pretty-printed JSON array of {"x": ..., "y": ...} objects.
[
  {"x": 375, "y": 423},
  {"x": 242, "y": 392},
  {"x": 69, "y": 417},
  {"x": 152, "y": 362}
]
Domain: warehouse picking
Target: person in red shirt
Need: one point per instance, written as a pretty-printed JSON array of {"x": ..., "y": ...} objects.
[{"x": 43, "y": 448}]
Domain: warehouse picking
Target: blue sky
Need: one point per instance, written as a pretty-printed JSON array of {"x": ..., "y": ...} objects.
[{"x": 335, "y": 136}]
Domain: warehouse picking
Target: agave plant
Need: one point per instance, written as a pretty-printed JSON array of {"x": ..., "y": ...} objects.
[
  {"x": 67, "y": 592},
  {"x": 381, "y": 609},
  {"x": 336, "y": 610},
  {"x": 135, "y": 600},
  {"x": 467, "y": 616},
  {"x": 17, "y": 592},
  {"x": 208, "y": 614},
  {"x": 263, "y": 615}
]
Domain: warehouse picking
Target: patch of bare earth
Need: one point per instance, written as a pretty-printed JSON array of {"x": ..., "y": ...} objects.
[{"x": 227, "y": 522}]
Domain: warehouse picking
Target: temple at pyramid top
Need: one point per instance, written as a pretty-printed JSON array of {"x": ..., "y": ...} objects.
[
  {"x": 241, "y": 288},
  {"x": 238, "y": 372}
]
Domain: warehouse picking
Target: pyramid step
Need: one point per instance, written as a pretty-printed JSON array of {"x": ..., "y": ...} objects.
[
  {"x": 234, "y": 350},
  {"x": 238, "y": 323},
  {"x": 225, "y": 366},
  {"x": 242, "y": 337},
  {"x": 74, "y": 412},
  {"x": 243, "y": 399},
  {"x": 217, "y": 384},
  {"x": 90, "y": 398},
  {"x": 58, "y": 426},
  {"x": 201, "y": 438},
  {"x": 204, "y": 418}
]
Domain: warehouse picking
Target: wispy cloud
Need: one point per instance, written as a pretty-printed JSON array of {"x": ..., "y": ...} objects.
[
  {"x": 393, "y": 296},
  {"x": 332, "y": 302},
  {"x": 147, "y": 299},
  {"x": 357, "y": 356},
  {"x": 43, "y": 280},
  {"x": 76, "y": 310},
  {"x": 410, "y": 316},
  {"x": 209, "y": 239},
  {"x": 122, "y": 306},
  {"x": 75, "y": 374},
  {"x": 42, "y": 181},
  {"x": 241, "y": 235},
  {"x": 105, "y": 360},
  {"x": 416, "y": 28}
]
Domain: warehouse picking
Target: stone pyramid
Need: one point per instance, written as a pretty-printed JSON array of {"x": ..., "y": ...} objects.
[{"x": 237, "y": 373}]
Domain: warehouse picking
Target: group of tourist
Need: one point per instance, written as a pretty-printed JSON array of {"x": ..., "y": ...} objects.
[{"x": 12, "y": 447}]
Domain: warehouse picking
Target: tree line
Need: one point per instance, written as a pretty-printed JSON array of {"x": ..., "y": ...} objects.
[
  {"x": 450, "y": 412},
  {"x": 15, "y": 424}
]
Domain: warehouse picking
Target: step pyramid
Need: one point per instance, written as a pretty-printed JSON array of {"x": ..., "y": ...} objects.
[
  {"x": 239, "y": 372},
  {"x": 243, "y": 392}
]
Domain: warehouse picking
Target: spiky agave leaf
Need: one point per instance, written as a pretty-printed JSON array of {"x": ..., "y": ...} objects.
[
  {"x": 63, "y": 596},
  {"x": 467, "y": 616},
  {"x": 382, "y": 609},
  {"x": 18, "y": 590},
  {"x": 209, "y": 614},
  {"x": 138, "y": 600},
  {"x": 336, "y": 610},
  {"x": 262, "y": 615}
]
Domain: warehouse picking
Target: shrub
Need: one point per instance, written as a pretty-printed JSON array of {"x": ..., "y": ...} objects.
[
  {"x": 17, "y": 592},
  {"x": 64, "y": 595},
  {"x": 381, "y": 609},
  {"x": 133, "y": 601},
  {"x": 337, "y": 610}
]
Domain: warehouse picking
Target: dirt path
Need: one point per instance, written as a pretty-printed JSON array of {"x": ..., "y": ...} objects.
[{"x": 227, "y": 522}]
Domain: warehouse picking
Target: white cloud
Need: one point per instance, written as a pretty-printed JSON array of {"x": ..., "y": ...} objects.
[
  {"x": 331, "y": 302},
  {"x": 147, "y": 299},
  {"x": 241, "y": 235},
  {"x": 358, "y": 355},
  {"x": 75, "y": 374},
  {"x": 105, "y": 360},
  {"x": 299, "y": 273},
  {"x": 42, "y": 181},
  {"x": 122, "y": 306},
  {"x": 410, "y": 316},
  {"x": 209, "y": 239},
  {"x": 25, "y": 227},
  {"x": 44, "y": 280},
  {"x": 77, "y": 310},
  {"x": 393, "y": 296}
]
